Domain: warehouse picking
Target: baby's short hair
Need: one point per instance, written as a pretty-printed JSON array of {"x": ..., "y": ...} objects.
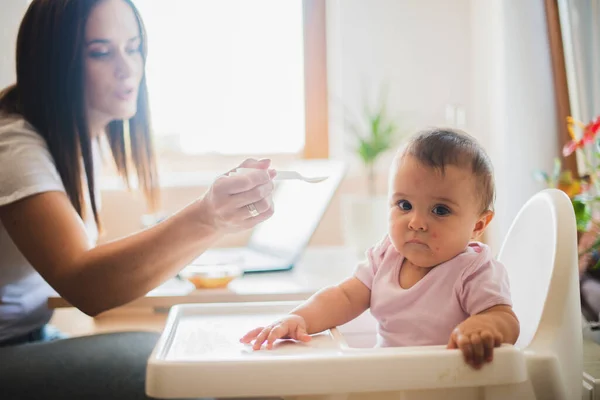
[{"x": 439, "y": 147}]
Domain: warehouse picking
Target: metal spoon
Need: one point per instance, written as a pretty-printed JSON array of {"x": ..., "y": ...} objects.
[{"x": 287, "y": 175}]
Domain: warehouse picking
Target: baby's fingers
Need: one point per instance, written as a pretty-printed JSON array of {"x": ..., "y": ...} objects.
[
  {"x": 262, "y": 336},
  {"x": 250, "y": 336},
  {"x": 277, "y": 333},
  {"x": 478, "y": 350},
  {"x": 488, "y": 341},
  {"x": 464, "y": 344},
  {"x": 301, "y": 334},
  {"x": 452, "y": 342}
]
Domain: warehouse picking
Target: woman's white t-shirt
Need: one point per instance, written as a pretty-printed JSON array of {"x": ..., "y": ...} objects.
[{"x": 26, "y": 169}]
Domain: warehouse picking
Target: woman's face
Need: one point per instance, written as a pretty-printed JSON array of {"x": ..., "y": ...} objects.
[{"x": 113, "y": 63}]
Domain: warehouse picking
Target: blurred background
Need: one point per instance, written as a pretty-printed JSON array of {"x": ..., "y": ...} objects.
[{"x": 327, "y": 79}]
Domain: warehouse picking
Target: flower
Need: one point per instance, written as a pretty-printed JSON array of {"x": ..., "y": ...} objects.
[
  {"x": 584, "y": 192},
  {"x": 589, "y": 135},
  {"x": 572, "y": 188}
]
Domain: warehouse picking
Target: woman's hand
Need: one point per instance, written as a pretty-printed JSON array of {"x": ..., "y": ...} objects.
[
  {"x": 235, "y": 203},
  {"x": 289, "y": 327}
]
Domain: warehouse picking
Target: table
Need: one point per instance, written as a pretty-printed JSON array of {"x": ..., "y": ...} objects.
[{"x": 319, "y": 267}]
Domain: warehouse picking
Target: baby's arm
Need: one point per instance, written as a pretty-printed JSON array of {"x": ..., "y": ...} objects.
[
  {"x": 328, "y": 308},
  {"x": 335, "y": 305},
  {"x": 477, "y": 336}
]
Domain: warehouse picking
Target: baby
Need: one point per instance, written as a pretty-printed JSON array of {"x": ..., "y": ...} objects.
[{"x": 427, "y": 282}]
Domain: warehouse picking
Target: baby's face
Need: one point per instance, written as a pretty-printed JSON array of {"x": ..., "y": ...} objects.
[{"x": 433, "y": 217}]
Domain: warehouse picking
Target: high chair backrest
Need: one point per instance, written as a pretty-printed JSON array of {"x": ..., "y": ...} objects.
[{"x": 540, "y": 254}]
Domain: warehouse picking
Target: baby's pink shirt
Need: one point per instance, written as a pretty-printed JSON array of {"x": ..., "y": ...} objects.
[{"x": 426, "y": 313}]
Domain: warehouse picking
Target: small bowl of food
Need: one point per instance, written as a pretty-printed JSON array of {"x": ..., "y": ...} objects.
[{"x": 211, "y": 276}]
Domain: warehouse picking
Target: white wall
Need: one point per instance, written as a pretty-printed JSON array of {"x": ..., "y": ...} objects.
[
  {"x": 11, "y": 12},
  {"x": 420, "y": 47},
  {"x": 513, "y": 100},
  {"x": 491, "y": 56}
]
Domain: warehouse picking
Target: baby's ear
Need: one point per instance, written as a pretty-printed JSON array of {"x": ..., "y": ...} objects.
[{"x": 484, "y": 220}]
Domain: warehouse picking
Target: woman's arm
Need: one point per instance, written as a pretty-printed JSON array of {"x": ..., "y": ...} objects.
[{"x": 49, "y": 233}]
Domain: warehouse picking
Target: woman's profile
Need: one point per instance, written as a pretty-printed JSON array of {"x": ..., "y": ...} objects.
[{"x": 80, "y": 79}]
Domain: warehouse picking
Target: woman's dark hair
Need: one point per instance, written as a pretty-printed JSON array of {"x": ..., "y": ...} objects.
[{"x": 49, "y": 94}]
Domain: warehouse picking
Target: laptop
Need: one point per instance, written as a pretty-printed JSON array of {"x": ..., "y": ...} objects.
[{"x": 278, "y": 243}]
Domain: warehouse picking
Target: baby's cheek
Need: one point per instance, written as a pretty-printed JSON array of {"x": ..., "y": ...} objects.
[
  {"x": 395, "y": 232},
  {"x": 434, "y": 239},
  {"x": 395, "y": 224},
  {"x": 393, "y": 216}
]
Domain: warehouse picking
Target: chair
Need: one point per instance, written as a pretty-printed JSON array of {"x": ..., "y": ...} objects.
[{"x": 198, "y": 354}]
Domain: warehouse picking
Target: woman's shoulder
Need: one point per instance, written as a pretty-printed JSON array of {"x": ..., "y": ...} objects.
[
  {"x": 32, "y": 168},
  {"x": 14, "y": 128}
]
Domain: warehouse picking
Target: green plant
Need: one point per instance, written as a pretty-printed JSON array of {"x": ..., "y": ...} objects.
[
  {"x": 584, "y": 191},
  {"x": 576, "y": 188},
  {"x": 376, "y": 135}
]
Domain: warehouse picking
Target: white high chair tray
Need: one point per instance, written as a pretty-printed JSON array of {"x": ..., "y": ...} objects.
[{"x": 199, "y": 355}]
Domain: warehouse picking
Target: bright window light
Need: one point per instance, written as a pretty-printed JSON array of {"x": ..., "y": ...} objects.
[{"x": 226, "y": 76}]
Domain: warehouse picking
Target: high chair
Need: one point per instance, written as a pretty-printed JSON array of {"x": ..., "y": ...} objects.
[{"x": 199, "y": 354}]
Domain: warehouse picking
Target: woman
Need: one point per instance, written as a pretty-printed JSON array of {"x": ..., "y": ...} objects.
[{"x": 80, "y": 74}]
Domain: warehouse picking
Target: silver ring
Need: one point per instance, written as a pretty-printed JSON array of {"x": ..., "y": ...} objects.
[{"x": 253, "y": 211}]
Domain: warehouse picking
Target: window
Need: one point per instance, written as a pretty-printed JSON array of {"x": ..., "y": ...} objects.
[{"x": 226, "y": 76}]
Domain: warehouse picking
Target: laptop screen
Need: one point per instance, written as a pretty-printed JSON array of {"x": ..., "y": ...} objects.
[{"x": 299, "y": 207}]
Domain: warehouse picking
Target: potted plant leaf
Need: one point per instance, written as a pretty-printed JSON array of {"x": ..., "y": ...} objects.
[
  {"x": 365, "y": 216},
  {"x": 583, "y": 191}
]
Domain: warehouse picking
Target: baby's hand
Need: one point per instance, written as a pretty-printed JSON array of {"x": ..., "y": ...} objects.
[
  {"x": 290, "y": 327},
  {"x": 476, "y": 338}
]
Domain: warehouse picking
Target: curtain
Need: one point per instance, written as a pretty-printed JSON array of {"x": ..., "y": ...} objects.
[{"x": 580, "y": 22}]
